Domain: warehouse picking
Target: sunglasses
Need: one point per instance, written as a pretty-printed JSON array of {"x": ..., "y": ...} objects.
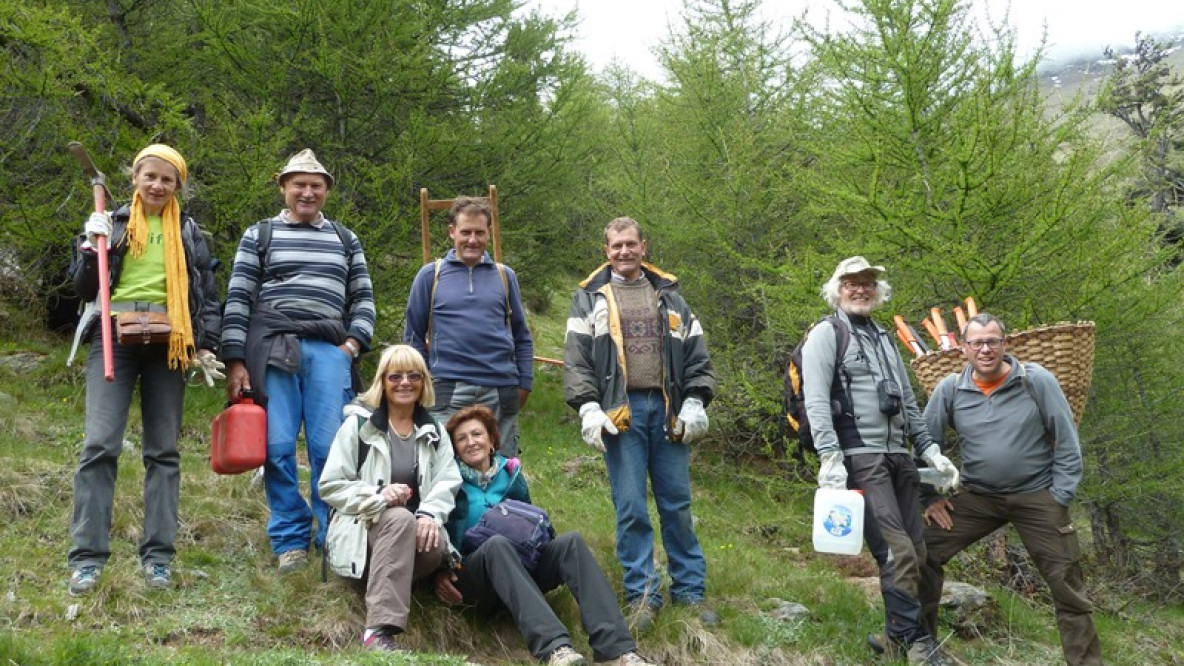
[{"x": 396, "y": 377}]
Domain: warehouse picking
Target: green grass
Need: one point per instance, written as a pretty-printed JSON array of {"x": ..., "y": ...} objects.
[{"x": 229, "y": 606}]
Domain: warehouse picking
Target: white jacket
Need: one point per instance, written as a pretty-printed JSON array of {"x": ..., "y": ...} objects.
[{"x": 344, "y": 486}]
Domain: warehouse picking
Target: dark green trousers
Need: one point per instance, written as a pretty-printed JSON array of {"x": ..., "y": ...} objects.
[{"x": 1050, "y": 539}]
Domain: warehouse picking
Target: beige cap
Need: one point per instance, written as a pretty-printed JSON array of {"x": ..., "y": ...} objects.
[
  {"x": 304, "y": 161},
  {"x": 855, "y": 265}
]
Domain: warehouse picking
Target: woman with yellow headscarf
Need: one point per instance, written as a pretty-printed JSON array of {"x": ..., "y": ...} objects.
[{"x": 159, "y": 263}]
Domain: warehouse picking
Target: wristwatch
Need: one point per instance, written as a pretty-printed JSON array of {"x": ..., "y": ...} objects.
[{"x": 353, "y": 348}]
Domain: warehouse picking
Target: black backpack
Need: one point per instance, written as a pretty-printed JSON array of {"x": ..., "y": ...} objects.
[{"x": 795, "y": 402}]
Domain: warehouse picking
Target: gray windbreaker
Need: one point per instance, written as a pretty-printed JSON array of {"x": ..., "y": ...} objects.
[
  {"x": 873, "y": 432},
  {"x": 1001, "y": 437}
]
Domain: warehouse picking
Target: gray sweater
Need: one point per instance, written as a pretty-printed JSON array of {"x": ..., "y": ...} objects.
[
  {"x": 874, "y": 432},
  {"x": 1001, "y": 437}
]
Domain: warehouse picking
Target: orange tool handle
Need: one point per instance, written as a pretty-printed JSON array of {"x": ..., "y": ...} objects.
[
  {"x": 906, "y": 336},
  {"x": 961, "y": 317},
  {"x": 971, "y": 308},
  {"x": 104, "y": 292},
  {"x": 931, "y": 328}
]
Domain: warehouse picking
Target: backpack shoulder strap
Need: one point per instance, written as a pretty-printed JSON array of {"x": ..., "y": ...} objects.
[
  {"x": 842, "y": 376},
  {"x": 346, "y": 243},
  {"x": 263, "y": 241},
  {"x": 262, "y": 248},
  {"x": 427, "y": 335},
  {"x": 363, "y": 447},
  {"x": 949, "y": 400},
  {"x": 1024, "y": 368},
  {"x": 501, "y": 270}
]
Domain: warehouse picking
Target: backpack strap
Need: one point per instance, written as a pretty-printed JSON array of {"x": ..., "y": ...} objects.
[
  {"x": 501, "y": 270},
  {"x": 841, "y": 383},
  {"x": 363, "y": 447},
  {"x": 427, "y": 336}
]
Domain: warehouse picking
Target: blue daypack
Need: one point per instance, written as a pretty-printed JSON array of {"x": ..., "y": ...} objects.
[{"x": 526, "y": 526}]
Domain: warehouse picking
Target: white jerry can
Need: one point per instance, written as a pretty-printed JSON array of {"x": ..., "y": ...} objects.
[{"x": 838, "y": 521}]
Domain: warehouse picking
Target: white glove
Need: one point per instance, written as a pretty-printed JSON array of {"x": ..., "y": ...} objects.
[
  {"x": 594, "y": 423},
  {"x": 372, "y": 507},
  {"x": 832, "y": 473},
  {"x": 208, "y": 365},
  {"x": 950, "y": 479},
  {"x": 691, "y": 423},
  {"x": 98, "y": 224}
]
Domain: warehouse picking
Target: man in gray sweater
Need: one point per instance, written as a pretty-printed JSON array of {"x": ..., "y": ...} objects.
[
  {"x": 861, "y": 408},
  {"x": 1021, "y": 464}
]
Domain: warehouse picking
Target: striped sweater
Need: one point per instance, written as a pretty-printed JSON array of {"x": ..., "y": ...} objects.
[{"x": 308, "y": 279}]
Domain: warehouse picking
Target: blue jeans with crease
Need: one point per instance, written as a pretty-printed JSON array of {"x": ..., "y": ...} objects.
[
  {"x": 645, "y": 451},
  {"x": 315, "y": 397}
]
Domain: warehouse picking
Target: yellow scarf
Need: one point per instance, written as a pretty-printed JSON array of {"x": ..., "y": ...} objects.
[{"x": 181, "y": 345}]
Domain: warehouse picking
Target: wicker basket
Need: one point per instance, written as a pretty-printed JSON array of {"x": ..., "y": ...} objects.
[{"x": 1066, "y": 349}]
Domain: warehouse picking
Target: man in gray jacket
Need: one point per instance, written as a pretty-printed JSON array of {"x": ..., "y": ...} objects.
[
  {"x": 1021, "y": 463},
  {"x": 861, "y": 407}
]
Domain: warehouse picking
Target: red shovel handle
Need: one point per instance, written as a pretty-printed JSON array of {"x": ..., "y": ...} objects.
[{"x": 104, "y": 292}]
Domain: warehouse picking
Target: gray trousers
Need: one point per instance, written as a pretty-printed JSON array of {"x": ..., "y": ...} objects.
[
  {"x": 162, "y": 394},
  {"x": 493, "y": 577},
  {"x": 452, "y": 396},
  {"x": 394, "y": 564},
  {"x": 1049, "y": 537},
  {"x": 893, "y": 530}
]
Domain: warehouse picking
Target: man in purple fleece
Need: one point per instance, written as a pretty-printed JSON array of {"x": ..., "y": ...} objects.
[{"x": 465, "y": 316}]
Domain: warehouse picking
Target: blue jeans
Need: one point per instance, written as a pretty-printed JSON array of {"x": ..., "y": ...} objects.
[
  {"x": 642, "y": 451},
  {"x": 162, "y": 395},
  {"x": 315, "y": 397}
]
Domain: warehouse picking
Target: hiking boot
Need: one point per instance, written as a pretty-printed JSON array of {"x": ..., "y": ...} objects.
[
  {"x": 293, "y": 560},
  {"x": 84, "y": 579},
  {"x": 641, "y": 616},
  {"x": 885, "y": 647},
  {"x": 564, "y": 655},
  {"x": 707, "y": 617},
  {"x": 629, "y": 659},
  {"x": 158, "y": 575},
  {"x": 928, "y": 653},
  {"x": 382, "y": 641}
]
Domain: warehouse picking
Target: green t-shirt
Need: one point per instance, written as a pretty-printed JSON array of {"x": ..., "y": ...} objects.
[{"x": 143, "y": 277}]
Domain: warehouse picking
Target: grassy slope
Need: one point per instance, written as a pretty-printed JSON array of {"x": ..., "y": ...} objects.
[{"x": 230, "y": 607}]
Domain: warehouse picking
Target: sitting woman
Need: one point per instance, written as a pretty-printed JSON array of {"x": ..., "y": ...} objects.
[
  {"x": 493, "y": 575},
  {"x": 391, "y": 478}
]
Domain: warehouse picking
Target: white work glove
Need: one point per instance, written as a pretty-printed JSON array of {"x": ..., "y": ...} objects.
[
  {"x": 98, "y": 224},
  {"x": 594, "y": 422},
  {"x": 371, "y": 508},
  {"x": 691, "y": 423},
  {"x": 832, "y": 473},
  {"x": 208, "y": 365},
  {"x": 950, "y": 479}
]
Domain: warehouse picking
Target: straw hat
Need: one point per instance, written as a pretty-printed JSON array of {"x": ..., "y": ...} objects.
[{"x": 304, "y": 161}]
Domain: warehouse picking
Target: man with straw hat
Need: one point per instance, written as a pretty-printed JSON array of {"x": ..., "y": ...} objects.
[
  {"x": 1021, "y": 463},
  {"x": 862, "y": 445},
  {"x": 159, "y": 263},
  {"x": 299, "y": 312}
]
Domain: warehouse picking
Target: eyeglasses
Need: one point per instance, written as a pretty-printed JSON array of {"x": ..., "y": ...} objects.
[
  {"x": 856, "y": 286},
  {"x": 397, "y": 377},
  {"x": 990, "y": 343}
]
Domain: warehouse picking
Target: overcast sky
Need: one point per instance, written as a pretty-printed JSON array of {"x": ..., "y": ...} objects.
[{"x": 629, "y": 29}]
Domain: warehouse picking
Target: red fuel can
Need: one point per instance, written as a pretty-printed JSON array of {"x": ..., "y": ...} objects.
[{"x": 239, "y": 442}]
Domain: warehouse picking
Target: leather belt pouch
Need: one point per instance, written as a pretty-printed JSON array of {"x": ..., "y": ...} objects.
[{"x": 142, "y": 328}]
